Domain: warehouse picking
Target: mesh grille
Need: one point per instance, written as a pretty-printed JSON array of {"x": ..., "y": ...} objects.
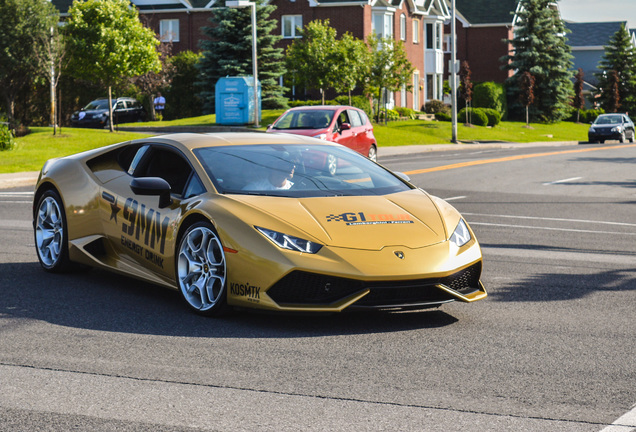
[{"x": 308, "y": 288}]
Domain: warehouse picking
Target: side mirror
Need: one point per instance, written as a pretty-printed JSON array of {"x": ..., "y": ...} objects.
[
  {"x": 345, "y": 126},
  {"x": 153, "y": 186},
  {"x": 402, "y": 176}
]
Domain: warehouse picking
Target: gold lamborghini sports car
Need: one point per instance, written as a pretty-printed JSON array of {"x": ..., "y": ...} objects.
[{"x": 270, "y": 221}]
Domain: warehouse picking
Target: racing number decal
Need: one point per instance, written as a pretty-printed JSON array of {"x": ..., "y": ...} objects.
[{"x": 146, "y": 225}]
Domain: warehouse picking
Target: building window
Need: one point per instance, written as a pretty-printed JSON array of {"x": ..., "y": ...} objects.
[
  {"x": 439, "y": 36},
  {"x": 429, "y": 87},
  {"x": 416, "y": 31},
  {"x": 383, "y": 25},
  {"x": 169, "y": 30},
  {"x": 429, "y": 36},
  {"x": 403, "y": 27},
  {"x": 403, "y": 96},
  {"x": 291, "y": 24}
]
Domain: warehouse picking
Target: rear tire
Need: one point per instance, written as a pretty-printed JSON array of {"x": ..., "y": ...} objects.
[
  {"x": 201, "y": 270},
  {"x": 373, "y": 153}
]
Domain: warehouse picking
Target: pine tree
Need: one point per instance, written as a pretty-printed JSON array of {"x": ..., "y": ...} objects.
[
  {"x": 228, "y": 52},
  {"x": 620, "y": 56},
  {"x": 540, "y": 48}
]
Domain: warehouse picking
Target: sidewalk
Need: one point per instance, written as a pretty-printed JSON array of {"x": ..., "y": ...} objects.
[{"x": 384, "y": 153}]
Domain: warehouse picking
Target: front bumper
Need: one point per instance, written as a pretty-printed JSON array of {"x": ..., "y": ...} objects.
[
  {"x": 336, "y": 279},
  {"x": 603, "y": 135}
]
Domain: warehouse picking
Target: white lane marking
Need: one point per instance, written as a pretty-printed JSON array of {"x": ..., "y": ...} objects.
[
  {"x": 559, "y": 256},
  {"x": 16, "y": 202},
  {"x": 562, "y": 181},
  {"x": 16, "y": 194},
  {"x": 16, "y": 224},
  {"x": 554, "y": 229},
  {"x": 625, "y": 423},
  {"x": 552, "y": 219},
  {"x": 454, "y": 198}
]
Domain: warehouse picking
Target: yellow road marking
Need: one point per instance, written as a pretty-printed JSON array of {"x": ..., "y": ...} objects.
[{"x": 510, "y": 158}]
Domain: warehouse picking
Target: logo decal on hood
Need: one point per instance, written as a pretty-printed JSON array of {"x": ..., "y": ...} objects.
[
  {"x": 399, "y": 254},
  {"x": 362, "y": 218}
]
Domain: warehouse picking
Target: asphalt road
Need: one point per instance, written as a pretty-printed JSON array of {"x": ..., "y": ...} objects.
[{"x": 551, "y": 349}]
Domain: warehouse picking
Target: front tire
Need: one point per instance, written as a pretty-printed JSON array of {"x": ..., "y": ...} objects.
[
  {"x": 51, "y": 234},
  {"x": 201, "y": 270}
]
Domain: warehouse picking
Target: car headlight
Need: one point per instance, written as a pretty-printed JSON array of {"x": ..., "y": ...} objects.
[
  {"x": 592, "y": 129},
  {"x": 461, "y": 235},
  {"x": 617, "y": 129},
  {"x": 322, "y": 136},
  {"x": 285, "y": 241}
]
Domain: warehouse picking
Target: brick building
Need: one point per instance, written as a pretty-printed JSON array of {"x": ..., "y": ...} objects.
[{"x": 423, "y": 26}]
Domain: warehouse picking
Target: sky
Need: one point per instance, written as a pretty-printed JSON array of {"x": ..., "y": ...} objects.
[{"x": 599, "y": 10}]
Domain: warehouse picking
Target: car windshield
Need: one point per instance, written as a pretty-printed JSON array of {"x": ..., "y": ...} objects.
[
  {"x": 97, "y": 105},
  {"x": 610, "y": 119},
  {"x": 296, "y": 171},
  {"x": 305, "y": 119}
]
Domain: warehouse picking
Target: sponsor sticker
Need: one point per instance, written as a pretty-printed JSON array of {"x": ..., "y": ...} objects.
[{"x": 361, "y": 218}]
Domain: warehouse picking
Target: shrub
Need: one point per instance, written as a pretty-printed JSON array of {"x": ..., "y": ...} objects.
[
  {"x": 489, "y": 95},
  {"x": 406, "y": 112},
  {"x": 441, "y": 116},
  {"x": 588, "y": 116},
  {"x": 298, "y": 103},
  {"x": 478, "y": 116},
  {"x": 356, "y": 101},
  {"x": 392, "y": 115},
  {"x": 494, "y": 116},
  {"x": 435, "y": 106},
  {"x": 182, "y": 95},
  {"x": 6, "y": 138}
]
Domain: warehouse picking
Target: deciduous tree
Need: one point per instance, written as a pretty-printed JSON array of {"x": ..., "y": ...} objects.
[
  {"x": 579, "y": 101},
  {"x": 526, "y": 92},
  {"x": 108, "y": 44},
  {"x": 25, "y": 25},
  {"x": 310, "y": 58},
  {"x": 390, "y": 67}
]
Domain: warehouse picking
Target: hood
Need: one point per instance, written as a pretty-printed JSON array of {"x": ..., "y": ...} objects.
[
  {"x": 408, "y": 219},
  {"x": 304, "y": 132}
]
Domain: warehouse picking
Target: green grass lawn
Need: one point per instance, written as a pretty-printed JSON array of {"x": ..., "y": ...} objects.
[
  {"x": 34, "y": 149},
  {"x": 412, "y": 132}
]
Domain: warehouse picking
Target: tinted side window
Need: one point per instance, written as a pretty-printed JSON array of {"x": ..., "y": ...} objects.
[
  {"x": 355, "y": 118},
  {"x": 168, "y": 165}
]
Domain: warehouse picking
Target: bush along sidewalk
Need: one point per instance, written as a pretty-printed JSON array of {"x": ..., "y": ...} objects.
[{"x": 7, "y": 142}]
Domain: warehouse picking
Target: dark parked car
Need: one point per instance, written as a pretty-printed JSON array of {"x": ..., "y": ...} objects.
[
  {"x": 611, "y": 127},
  {"x": 95, "y": 114},
  {"x": 341, "y": 124}
]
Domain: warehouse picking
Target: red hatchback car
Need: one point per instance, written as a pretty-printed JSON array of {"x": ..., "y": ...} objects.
[{"x": 341, "y": 124}]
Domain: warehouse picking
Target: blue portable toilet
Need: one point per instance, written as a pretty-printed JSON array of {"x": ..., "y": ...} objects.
[{"x": 234, "y": 100}]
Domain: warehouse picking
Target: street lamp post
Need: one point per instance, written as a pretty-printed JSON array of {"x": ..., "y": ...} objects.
[
  {"x": 453, "y": 76},
  {"x": 252, "y": 5}
]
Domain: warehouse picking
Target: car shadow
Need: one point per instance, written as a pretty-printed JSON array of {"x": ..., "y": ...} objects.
[
  {"x": 103, "y": 301},
  {"x": 569, "y": 285}
]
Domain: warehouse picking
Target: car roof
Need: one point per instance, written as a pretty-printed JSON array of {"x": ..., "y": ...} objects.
[
  {"x": 322, "y": 107},
  {"x": 192, "y": 141}
]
